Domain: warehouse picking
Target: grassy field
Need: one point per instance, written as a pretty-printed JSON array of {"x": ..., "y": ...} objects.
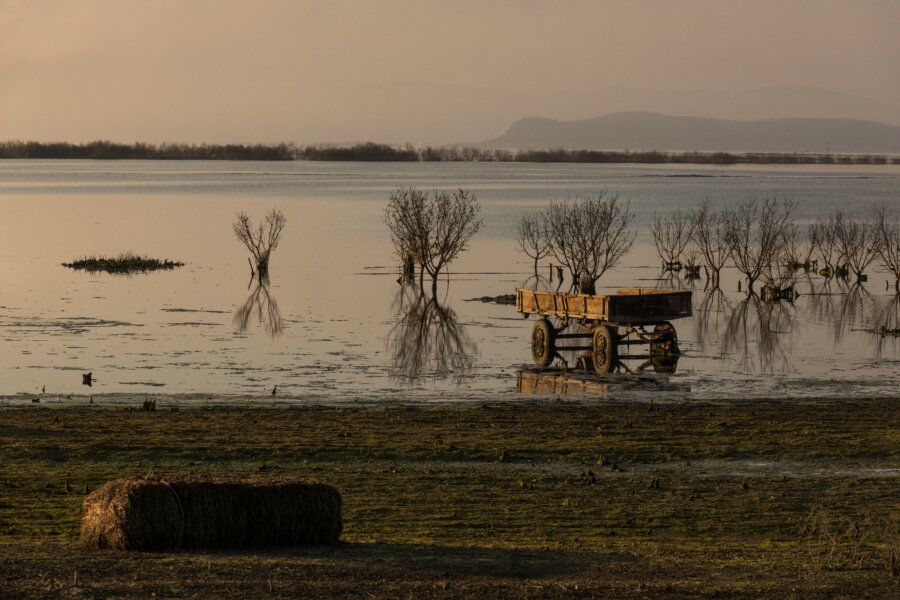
[{"x": 613, "y": 499}]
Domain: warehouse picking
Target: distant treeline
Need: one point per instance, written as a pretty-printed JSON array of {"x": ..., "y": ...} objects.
[
  {"x": 102, "y": 150},
  {"x": 385, "y": 153}
]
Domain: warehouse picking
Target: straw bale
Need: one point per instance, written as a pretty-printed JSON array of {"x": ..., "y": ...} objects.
[{"x": 153, "y": 514}]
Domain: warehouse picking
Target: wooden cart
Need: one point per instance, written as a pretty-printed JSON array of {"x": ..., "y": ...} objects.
[{"x": 631, "y": 318}]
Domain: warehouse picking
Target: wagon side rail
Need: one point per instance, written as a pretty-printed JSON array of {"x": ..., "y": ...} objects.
[
  {"x": 562, "y": 305},
  {"x": 628, "y": 306}
]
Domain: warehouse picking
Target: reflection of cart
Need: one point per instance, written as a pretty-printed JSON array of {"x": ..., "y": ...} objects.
[{"x": 630, "y": 318}]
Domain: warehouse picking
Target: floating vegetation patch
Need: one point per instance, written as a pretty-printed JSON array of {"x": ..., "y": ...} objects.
[
  {"x": 29, "y": 325},
  {"x": 126, "y": 263},
  {"x": 501, "y": 299}
]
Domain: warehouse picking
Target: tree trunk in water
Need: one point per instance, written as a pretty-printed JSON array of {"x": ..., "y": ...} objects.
[
  {"x": 587, "y": 285},
  {"x": 262, "y": 270},
  {"x": 434, "y": 282},
  {"x": 409, "y": 268}
]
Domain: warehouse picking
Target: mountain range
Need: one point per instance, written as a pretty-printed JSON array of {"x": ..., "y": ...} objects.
[{"x": 654, "y": 131}]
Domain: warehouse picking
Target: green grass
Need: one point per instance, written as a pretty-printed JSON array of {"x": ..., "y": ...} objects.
[
  {"x": 752, "y": 499},
  {"x": 125, "y": 263}
]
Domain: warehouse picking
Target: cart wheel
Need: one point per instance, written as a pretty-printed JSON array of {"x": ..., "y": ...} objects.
[
  {"x": 666, "y": 341},
  {"x": 604, "y": 350},
  {"x": 543, "y": 343}
]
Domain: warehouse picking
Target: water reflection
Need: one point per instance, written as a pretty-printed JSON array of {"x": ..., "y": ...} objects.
[
  {"x": 711, "y": 316},
  {"x": 582, "y": 385},
  {"x": 855, "y": 306},
  {"x": 261, "y": 305},
  {"x": 760, "y": 335},
  {"x": 427, "y": 340}
]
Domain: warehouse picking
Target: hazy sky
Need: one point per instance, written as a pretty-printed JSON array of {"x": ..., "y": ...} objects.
[{"x": 429, "y": 71}]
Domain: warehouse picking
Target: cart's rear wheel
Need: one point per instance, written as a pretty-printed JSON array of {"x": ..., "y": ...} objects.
[
  {"x": 543, "y": 343},
  {"x": 604, "y": 350},
  {"x": 666, "y": 340}
]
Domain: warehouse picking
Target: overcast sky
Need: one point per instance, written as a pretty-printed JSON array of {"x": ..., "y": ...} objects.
[{"x": 429, "y": 71}]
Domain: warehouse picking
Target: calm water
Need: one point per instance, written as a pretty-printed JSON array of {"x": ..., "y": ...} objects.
[{"x": 349, "y": 330}]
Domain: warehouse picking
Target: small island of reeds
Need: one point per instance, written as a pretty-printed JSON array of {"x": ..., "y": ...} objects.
[{"x": 126, "y": 263}]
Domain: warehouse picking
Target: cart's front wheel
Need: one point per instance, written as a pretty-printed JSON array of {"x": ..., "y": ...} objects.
[
  {"x": 543, "y": 343},
  {"x": 665, "y": 340},
  {"x": 604, "y": 350}
]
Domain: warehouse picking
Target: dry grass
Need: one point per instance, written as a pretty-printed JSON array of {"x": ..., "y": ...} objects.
[{"x": 608, "y": 499}]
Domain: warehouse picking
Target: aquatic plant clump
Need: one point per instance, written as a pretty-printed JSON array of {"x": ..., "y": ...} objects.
[{"x": 124, "y": 264}]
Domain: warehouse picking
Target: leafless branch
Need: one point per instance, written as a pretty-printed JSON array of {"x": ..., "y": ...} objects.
[
  {"x": 709, "y": 236},
  {"x": 858, "y": 241},
  {"x": 756, "y": 233},
  {"x": 262, "y": 239},
  {"x": 532, "y": 238},
  {"x": 671, "y": 235},
  {"x": 590, "y": 236}
]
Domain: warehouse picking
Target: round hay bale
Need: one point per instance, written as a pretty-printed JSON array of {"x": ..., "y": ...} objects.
[{"x": 149, "y": 514}]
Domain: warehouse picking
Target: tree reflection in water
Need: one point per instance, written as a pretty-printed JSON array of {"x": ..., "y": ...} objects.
[
  {"x": 820, "y": 299},
  {"x": 711, "y": 316},
  {"x": 262, "y": 305},
  {"x": 427, "y": 340},
  {"x": 855, "y": 304},
  {"x": 842, "y": 305},
  {"x": 887, "y": 323},
  {"x": 769, "y": 326}
]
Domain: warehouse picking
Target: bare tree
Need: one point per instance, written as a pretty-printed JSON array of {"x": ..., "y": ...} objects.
[
  {"x": 532, "y": 238},
  {"x": 408, "y": 220},
  {"x": 709, "y": 228},
  {"x": 692, "y": 264},
  {"x": 781, "y": 271},
  {"x": 671, "y": 235},
  {"x": 857, "y": 240},
  {"x": 590, "y": 236},
  {"x": 799, "y": 249},
  {"x": 262, "y": 239},
  {"x": 822, "y": 237},
  {"x": 888, "y": 246},
  {"x": 756, "y": 231},
  {"x": 432, "y": 229}
]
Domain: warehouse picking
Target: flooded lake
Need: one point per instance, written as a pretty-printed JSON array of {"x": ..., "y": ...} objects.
[{"x": 336, "y": 326}]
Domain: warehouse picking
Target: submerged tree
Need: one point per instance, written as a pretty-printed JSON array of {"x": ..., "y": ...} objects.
[
  {"x": 671, "y": 236},
  {"x": 709, "y": 236},
  {"x": 822, "y": 237},
  {"x": 590, "y": 236},
  {"x": 532, "y": 238},
  {"x": 858, "y": 241},
  {"x": 262, "y": 239},
  {"x": 888, "y": 246},
  {"x": 756, "y": 233},
  {"x": 431, "y": 229},
  {"x": 799, "y": 248}
]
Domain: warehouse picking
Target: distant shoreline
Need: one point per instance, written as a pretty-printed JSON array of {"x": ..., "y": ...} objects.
[{"x": 372, "y": 152}]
